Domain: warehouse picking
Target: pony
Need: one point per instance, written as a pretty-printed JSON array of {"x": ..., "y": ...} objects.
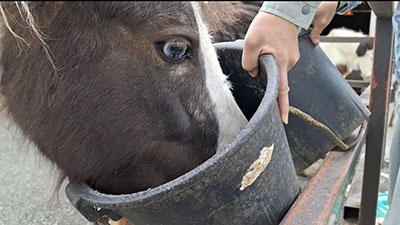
[{"x": 123, "y": 96}]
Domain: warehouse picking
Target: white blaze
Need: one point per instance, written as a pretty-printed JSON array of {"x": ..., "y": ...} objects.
[{"x": 230, "y": 118}]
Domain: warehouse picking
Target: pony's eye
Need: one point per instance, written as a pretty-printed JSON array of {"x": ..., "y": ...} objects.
[{"x": 175, "y": 50}]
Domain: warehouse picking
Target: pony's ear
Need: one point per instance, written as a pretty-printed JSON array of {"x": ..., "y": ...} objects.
[{"x": 363, "y": 47}]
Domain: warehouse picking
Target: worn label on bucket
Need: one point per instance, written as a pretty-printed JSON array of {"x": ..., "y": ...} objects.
[{"x": 257, "y": 167}]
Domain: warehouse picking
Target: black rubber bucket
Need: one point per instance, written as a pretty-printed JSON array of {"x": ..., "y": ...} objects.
[
  {"x": 223, "y": 190},
  {"x": 317, "y": 89}
]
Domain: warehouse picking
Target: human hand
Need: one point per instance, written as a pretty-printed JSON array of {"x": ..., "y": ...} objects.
[
  {"x": 270, "y": 34},
  {"x": 324, "y": 15}
]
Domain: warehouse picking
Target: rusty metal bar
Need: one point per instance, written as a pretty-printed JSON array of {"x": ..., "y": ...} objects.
[
  {"x": 324, "y": 192},
  {"x": 351, "y": 208},
  {"x": 378, "y": 104}
]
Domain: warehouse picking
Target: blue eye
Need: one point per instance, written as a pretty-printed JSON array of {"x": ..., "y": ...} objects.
[{"x": 175, "y": 50}]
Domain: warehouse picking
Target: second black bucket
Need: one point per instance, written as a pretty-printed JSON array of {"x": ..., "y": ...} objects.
[
  {"x": 319, "y": 89},
  {"x": 316, "y": 88}
]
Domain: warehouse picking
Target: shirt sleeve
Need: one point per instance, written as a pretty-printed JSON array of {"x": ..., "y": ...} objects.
[{"x": 299, "y": 13}]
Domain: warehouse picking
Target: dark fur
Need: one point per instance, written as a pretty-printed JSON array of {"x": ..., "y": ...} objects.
[
  {"x": 229, "y": 21},
  {"x": 363, "y": 47},
  {"x": 115, "y": 114}
]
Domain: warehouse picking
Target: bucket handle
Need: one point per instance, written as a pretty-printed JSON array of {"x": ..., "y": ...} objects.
[
  {"x": 92, "y": 213},
  {"x": 309, "y": 119}
]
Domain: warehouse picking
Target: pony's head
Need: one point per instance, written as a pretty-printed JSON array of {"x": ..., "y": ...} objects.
[{"x": 121, "y": 95}]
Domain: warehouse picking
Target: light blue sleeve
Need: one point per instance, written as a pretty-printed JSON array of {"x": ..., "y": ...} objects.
[
  {"x": 298, "y": 13},
  {"x": 302, "y": 13}
]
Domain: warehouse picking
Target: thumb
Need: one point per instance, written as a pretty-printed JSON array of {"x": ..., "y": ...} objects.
[{"x": 250, "y": 59}]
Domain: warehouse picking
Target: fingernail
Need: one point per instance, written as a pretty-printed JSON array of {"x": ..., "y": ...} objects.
[{"x": 285, "y": 120}]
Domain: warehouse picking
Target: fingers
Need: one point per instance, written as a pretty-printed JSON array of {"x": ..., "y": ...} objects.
[
  {"x": 279, "y": 40},
  {"x": 283, "y": 96}
]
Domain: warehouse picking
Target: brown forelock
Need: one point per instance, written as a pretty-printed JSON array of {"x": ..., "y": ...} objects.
[{"x": 116, "y": 114}]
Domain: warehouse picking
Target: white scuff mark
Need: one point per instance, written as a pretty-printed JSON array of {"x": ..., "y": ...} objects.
[{"x": 257, "y": 167}]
